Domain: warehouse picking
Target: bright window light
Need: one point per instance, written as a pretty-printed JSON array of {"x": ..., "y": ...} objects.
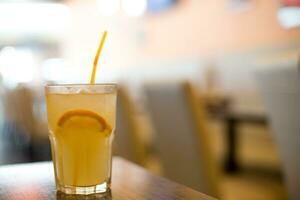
[
  {"x": 17, "y": 65},
  {"x": 108, "y": 7},
  {"x": 289, "y": 17},
  {"x": 34, "y": 18},
  {"x": 59, "y": 70},
  {"x": 53, "y": 69},
  {"x": 134, "y": 8}
]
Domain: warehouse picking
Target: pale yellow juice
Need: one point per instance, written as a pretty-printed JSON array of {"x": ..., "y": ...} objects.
[{"x": 81, "y": 126}]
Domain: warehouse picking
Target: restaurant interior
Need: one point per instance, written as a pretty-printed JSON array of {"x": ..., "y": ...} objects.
[{"x": 208, "y": 90}]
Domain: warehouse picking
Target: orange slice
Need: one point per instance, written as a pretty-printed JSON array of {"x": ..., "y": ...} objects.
[{"x": 83, "y": 119}]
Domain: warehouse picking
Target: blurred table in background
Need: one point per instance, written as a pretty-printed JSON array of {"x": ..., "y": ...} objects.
[
  {"x": 36, "y": 181},
  {"x": 222, "y": 108}
]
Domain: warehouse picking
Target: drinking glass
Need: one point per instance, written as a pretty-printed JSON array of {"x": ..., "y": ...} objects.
[{"x": 81, "y": 121}]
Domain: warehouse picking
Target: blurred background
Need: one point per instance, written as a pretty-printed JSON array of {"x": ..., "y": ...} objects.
[{"x": 192, "y": 105}]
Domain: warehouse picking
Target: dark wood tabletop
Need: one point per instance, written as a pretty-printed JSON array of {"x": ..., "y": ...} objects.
[{"x": 35, "y": 181}]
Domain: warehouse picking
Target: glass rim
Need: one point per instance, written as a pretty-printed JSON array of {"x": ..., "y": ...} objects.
[
  {"x": 74, "y": 88},
  {"x": 79, "y": 84}
]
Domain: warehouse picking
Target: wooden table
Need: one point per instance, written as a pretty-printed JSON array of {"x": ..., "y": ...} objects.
[
  {"x": 232, "y": 120},
  {"x": 222, "y": 109},
  {"x": 129, "y": 182}
]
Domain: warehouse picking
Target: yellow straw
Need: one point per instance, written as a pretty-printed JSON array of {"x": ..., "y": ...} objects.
[{"x": 97, "y": 57}]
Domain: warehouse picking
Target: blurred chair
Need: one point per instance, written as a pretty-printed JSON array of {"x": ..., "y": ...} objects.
[
  {"x": 181, "y": 139},
  {"x": 22, "y": 129},
  {"x": 281, "y": 92},
  {"x": 18, "y": 124},
  {"x": 18, "y": 109},
  {"x": 127, "y": 142}
]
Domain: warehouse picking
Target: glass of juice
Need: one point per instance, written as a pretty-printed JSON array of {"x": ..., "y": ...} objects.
[{"x": 81, "y": 121}]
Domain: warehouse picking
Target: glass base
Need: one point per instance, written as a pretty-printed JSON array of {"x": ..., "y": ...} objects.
[
  {"x": 103, "y": 196},
  {"x": 101, "y": 188}
]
